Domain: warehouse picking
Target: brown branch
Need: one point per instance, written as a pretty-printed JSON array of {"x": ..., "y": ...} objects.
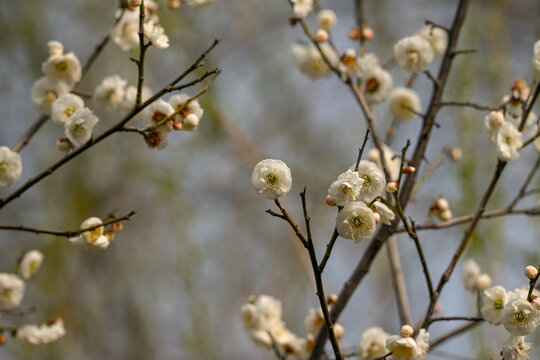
[
  {"x": 452, "y": 318},
  {"x": 386, "y": 230},
  {"x": 115, "y": 128},
  {"x": 528, "y": 180},
  {"x": 285, "y": 216},
  {"x": 452, "y": 334},
  {"x": 329, "y": 248},
  {"x": 142, "y": 51},
  {"x": 469, "y": 104},
  {"x": 361, "y": 150},
  {"x": 65, "y": 233}
]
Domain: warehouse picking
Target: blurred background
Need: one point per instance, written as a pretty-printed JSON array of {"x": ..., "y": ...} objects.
[{"x": 172, "y": 283}]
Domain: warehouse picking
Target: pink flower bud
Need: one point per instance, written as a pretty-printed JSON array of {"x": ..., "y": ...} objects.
[
  {"x": 330, "y": 201},
  {"x": 174, "y": 4},
  {"x": 354, "y": 33},
  {"x": 409, "y": 170},
  {"x": 321, "y": 35},
  {"x": 455, "y": 154},
  {"x": 531, "y": 272},
  {"x": 483, "y": 281},
  {"x": 368, "y": 34},
  {"x": 332, "y": 298},
  {"x": 406, "y": 331},
  {"x": 63, "y": 145},
  {"x": 392, "y": 186},
  {"x": 439, "y": 308},
  {"x": 377, "y": 217}
]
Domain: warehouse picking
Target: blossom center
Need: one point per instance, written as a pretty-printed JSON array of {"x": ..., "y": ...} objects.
[
  {"x": 271, "y": 179},
  {"x": 520, "y": 317},
  {"x": 367, "y": 181},
  {"x": 412, "y": 56},
  {"x": 372, "y": 85},
  {"x": 69, "y": 111},
  {"x": 3, "y": 167},
  {"x": 348, "y": 191},
  {"x": 61, "y": 66},
  {"x": 79, "y": 130},
  {"x": 50, "y": 96},
  {"x": 153, "y": 138},
  {"x": 498, "y": 304},
  {"x": 158, "y": 117}
]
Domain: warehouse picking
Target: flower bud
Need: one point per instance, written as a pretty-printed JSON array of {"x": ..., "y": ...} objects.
[
  {"x": 117, "y": 226},
  {"x": 174, "y": 4},
  {"x": 531, "y": 272},
  {"x": 330, "y": 201},
  {"x": 373, "y": 155},
  {"x": 439, "y": 308},
  {"x": 3, "y": 340},
  {"x": 406, "y": 331},
  {"x": 332, "y": 298},
  {"x": 326, "y": 18},
  {"x": 55, "y": 48},
  {"x": 409, "y": 170},
  {"x": 354, "y": 33},
  {"x": 191, "y": 122},
  {"x": 454, "y": 154},
  {"x": 377, "y": 217},
  {"x": 310, "y": 342},
  {"x": 339, "y": 331},
  {"x": 109, "y": 234},
  {"x": 63, "y": 144},
  {"x": 483, "y": 281},
  {"x": 441, "y": 204},
  {"x": 321, "y": 35},
  {"x": 368, "y": 34},
  {"x": 392, "y": 186},
  {"x": 445, "y": 215},
  {"x": 496, "y": 120}
]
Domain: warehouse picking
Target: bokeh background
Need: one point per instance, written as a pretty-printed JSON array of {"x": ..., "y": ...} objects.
[{"x": 172, "y": 283}]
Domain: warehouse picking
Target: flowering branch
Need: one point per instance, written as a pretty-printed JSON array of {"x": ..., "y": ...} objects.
[
  {"x": 65, "y": 233},
  {"x": 118, "y": 127},
  {"x": 34, "y": 128}
]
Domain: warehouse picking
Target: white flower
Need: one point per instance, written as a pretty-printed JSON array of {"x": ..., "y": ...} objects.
[
  {"x": 43, "y": 333},
  {"x": 437, "y": 37},
  {"x": 30, "y": 263},
  {"x": 130, "y": 97},
  {"x": 536, "y": 142},
  {"x": 374, "y": 181},
  {"x": 262, "y": 313},
  {"x": 536, "y": 56},
  {"x": 126, "y": 33},
  {"x": 78, "y": 127},
  {"x": 372, "y": 344},
  {"x": 11, "y": 291},
  {"x": 408, "y": 348},
  {"x": 346, "y": 188},
  {"x": 376, "y": 84},
  {"x": 158, "y": 112},
  {"x": 522, "y": 292},
  {"x": 45, "y": 90},
  {"x": 493, "y": 122},
  {"x": 91, "y": 236},
  {"x": 66, "y": 67},
  {"x": 387, "y": 215},
  {"x": 65, "y": 106},
  {"x": 313, "y": 321},
  {"x": 56, "y": 48},
  {"x": 355, "y": 221},
  {"x": 470, "y": 271},
  {"x": 509, "y": 140},
  {"x": 302, "y": 7},
  {"x": 515, "y": 348},
  {"x": 10, "y": 166},
  {"x": 326, "y": 18},
  {"x": 365, "y": 63},
  {"x": 494, "y": 300},
  {"x": 190, "y": 114},
  {"x": 310, "y": 62},
  {"x": 156, "y": 34},
  {"x": 401, "y": 101},
  {"x": 392, "y": 160},
  {"x": 413, "y": 53},
  {"x": 519, "y": 317},
  {"x": 271, "y": 178},
  {"x": 109, "y": 94}
]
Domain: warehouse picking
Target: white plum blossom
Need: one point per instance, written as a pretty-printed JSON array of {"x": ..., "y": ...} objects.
[
  {"x": 346, "y": 188},
  {"x": 56, "y": 48},
  {"x": 158, "y": 112},
  {"x": 199, "y": 4},
  {"x": 493, "y": 122},
  {"x": 374, "y": 181},
  {"x": 310, "y": 62},
  {"x": 271, "y": 178},
  {"x": 313, "y": 321},
  {"x": 376, "y": 83},
  {"x": 536, "y": 56},
  {"x": 10, "y": 166},
  {"x": 413, "y": 53},
  {"x": 403, "y": 103},
  {"x": 95, "y": 238},
  {"x": 372, "y": 344},
  {"x": 355, "y": 221},
  {"x": 42, "y": 333},
  {"x": 366, "y": 62},
  {"x": 130, "y": 97},
  {"x": 11, "y": 291},
  {"x": 386, "y": 214},
  {"x": 326, "y": 18},
  {"x": 65, "y": 106},
  {"x": 66, "y": 67},
  {"x": 494, "y": 300},
  {"x": 407, "y": 348},
  {"x": 190, "y": 114},
  {"x": 156, "y": 34},
  {"x": 30, "y": 263},
  {"x": 471, "y": 270},
  {"x": 109, "y": 94},
  {"x": 509, "y": 140},
  {"x": 515, "y": 348},
  {"x": 522, "y": 292},
  {"x": 261, "y": 314},
  {"x": 437, "y": 37},
  {"x": 126, "y": 33},
  {"x": 45, "y": 91},
  {"x": 78, "y": 128},
  {"x": 392, "y": 160},
  {"x": 519, "y": 317},
  {"x": 302, "y": 7}
]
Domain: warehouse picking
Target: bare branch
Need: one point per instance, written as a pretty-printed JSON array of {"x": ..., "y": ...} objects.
[{"x": 469, "y": 104}]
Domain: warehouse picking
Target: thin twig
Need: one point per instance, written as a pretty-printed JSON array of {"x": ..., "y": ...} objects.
[
  {"x": 452, "y": 318},
  {"x": 285, "y": 216},
  {"x": 65, "y": 233},
  {"x": 469, "y": 104},
  {"x": 398, "y": 281},
  {"x": 528, "y": 180},
  {"x": 453, "y": 333},
  {"x": 142, "y": 51},
  {"x": 361, "y": 150},
  {"x": 464, "y": 52},
  {"x": 329, "y": 248}
]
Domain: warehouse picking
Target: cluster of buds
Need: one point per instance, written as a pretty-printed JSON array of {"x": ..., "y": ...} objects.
[
  {"x": 441, "y": 209},
  {"x": 357, "y": 34},
  {"x": 392, "y": 186}
]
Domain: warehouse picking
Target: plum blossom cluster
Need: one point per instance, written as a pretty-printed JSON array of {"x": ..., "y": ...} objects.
[
  {"x": 97, "y": 236},
  {"x": 261, "y": 316},
  {"x": 12, "y": 290},
  {"x": 10, "y": 166},
  {"x": 518, "y": 310}
]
